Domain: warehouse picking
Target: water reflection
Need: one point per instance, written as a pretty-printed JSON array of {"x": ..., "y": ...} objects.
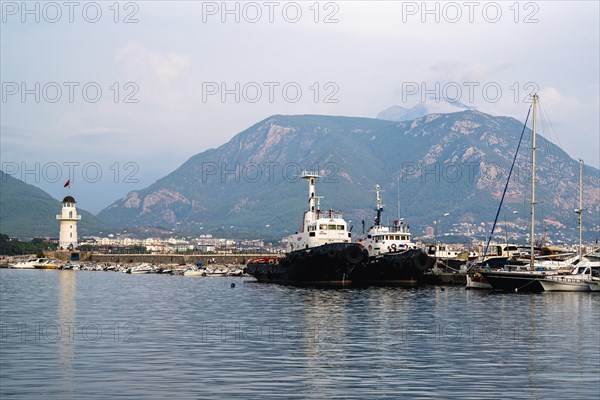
[
  {"x": 200, "y": 338},
  {"x": 67, "y": 288}
]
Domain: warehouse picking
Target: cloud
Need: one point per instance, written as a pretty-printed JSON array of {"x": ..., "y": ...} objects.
[{"x": 141, "y": 61}]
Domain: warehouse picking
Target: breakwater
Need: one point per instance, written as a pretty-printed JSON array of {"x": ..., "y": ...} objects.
[{"x": 160, "y": 258}]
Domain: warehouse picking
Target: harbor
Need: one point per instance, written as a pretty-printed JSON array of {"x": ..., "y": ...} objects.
[
  {"x": 300, "y": 200},
  {"x": 145, "y": 335}
]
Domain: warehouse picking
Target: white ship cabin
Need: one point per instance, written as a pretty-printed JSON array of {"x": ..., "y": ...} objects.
[
  {"x": 382, "y": 239},
  {"x": 443, "y": 252},
  {"x": 318, "y": 227},
  {"x": 502, "y": 250}
]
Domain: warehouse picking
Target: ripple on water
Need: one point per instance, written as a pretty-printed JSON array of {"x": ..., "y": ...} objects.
[{"x": 154, "y": 336}]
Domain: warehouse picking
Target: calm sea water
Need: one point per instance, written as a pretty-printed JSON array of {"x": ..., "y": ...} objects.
[{"x": 79, "y": 334}]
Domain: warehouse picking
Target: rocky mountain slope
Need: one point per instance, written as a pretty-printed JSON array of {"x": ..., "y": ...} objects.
[{"x": 453, "y": 163}]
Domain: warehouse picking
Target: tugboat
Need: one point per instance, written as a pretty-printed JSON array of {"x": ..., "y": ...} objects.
[
  {"x": 394, "y": 260},
  {"x": 320, "y": 254}
]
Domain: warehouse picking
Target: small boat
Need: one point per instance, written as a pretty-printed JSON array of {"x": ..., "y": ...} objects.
[
  {"x": 478, "y": 281},
  {"x": 194, "y": 272},
  {"x": 29, "y": 264},
  {"x": 142, "y": 269},
  {"x": 48, "y": 264},
  {"x": 70, "y": 266},
  {"x": 216, "y": 273}
]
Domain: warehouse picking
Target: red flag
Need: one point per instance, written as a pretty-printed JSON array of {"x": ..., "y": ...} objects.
[{"x": 67, "y": 183}]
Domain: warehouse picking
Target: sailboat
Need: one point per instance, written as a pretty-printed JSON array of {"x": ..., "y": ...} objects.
[{"x": 526, "y": 278}]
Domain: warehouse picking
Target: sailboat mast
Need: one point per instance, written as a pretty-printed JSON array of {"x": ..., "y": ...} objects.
[
  {"x": 532, "y": 234},
  {"x": 580, "y": 208}
]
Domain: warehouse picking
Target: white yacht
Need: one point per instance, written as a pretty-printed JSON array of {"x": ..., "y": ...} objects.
[{"x": 576, "y": 281}]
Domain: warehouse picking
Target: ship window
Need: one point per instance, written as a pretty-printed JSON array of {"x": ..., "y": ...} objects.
[
  {"x": 322, "y": 226},
  {"x": 311, "y": 234},
  {"x": 368, "y": 236},
  {"x": 331, "y": 227},
  {"x": 340, "y": 227}
]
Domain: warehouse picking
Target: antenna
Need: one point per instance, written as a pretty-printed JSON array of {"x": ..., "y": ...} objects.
[{"x": 398, "y": 179}]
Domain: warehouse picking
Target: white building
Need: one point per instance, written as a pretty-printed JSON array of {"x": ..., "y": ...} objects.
[{"x": 68, "y": 218}]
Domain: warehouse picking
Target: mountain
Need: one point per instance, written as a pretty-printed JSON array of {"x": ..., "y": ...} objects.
[
  {"x": 431, "y": 106},
  {"x": 444, "y": 163},
  {"x": 27, "y": 211}
]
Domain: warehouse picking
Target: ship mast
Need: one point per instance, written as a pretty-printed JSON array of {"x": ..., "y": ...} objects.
[
  {"x": 532, "y": 234},
  {"x": 311, "y": 177},
  {"x": 580, "y": 211},
  {"x": 379, "y": 208}
]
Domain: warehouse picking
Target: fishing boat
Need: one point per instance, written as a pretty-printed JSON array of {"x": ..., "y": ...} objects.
[
  {"x": 320, "y": 253},
  {"x": 393, "y": 259}
]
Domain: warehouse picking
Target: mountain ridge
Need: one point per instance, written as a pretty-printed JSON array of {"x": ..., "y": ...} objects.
[{"x": 456, "y": 161}]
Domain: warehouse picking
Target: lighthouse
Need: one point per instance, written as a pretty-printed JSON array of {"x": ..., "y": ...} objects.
[{"x": 68, "y": 224}]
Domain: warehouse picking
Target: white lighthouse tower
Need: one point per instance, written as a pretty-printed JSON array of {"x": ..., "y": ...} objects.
[{"x": 68, "y": 224}]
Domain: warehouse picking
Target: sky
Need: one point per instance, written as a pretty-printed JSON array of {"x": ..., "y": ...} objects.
[{"x": 115, "y": 95}]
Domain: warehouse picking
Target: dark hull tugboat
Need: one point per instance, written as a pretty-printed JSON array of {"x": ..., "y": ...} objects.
[
  {"x": 320, "y": 254},
  {"x": 394, "y": 260}
]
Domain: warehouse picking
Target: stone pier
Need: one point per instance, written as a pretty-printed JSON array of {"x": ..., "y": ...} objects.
[{"x": 160, "y": 258}]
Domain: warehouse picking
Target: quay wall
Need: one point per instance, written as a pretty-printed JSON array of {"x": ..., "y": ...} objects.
[{"x": 160, "y": 258}]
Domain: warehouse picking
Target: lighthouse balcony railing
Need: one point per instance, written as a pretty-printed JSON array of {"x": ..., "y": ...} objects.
[{"x": 63, "y": 218}]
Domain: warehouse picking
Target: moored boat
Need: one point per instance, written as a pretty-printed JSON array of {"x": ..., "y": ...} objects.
[
  {"x": 321, "y": 253},
  {"x": 194, "y": 272},
  {"x": 594, "y": 284},
  {"x": 478, "y": 281},
  {"x": 393, "y": 258},
  {"x": 576, "y": 281},
  {"x": 47, "y": 264},
  {"x": 29, "y": 264}
]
